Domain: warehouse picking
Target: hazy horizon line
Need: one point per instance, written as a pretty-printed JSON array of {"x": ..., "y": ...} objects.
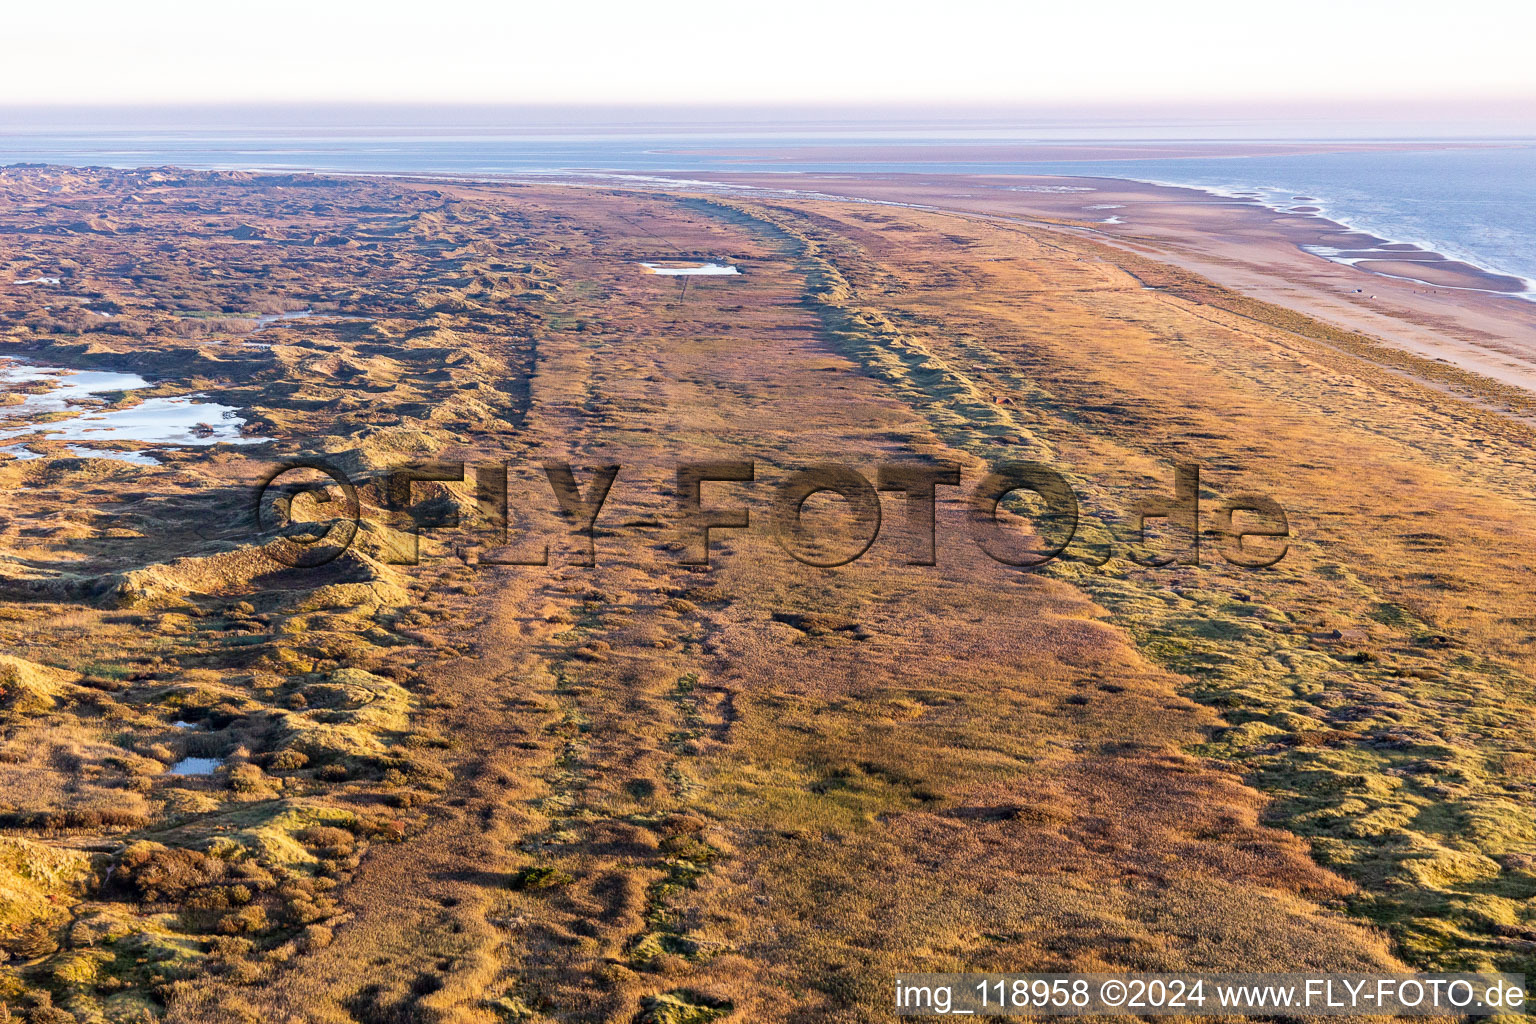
[{"x": 1445, "y": 118}]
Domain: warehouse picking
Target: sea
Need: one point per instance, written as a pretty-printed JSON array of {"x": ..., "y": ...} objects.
[{"x": 1474, "y": 201}]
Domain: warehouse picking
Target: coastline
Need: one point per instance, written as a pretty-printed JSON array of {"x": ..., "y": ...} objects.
[
  {"x": 1389, "y": 244},
  {"x": 1262, "y": 172},
  {"x": 1424, "y": 303},
  {"x": 1412, "y": 298},
  {"x": 1418, "y": 260},
  {"x": 897, "y": 152},
  {"x": 1475, "y": 256},
  {"x": 1380, "y": 253}
]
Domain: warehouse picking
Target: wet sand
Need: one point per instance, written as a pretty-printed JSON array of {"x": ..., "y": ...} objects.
[{"x": 1444, "y": 274}]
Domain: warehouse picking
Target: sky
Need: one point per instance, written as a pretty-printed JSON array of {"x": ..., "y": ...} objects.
[{"x": 788, "y": 51}]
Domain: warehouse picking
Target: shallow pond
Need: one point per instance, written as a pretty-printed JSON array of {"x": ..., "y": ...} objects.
[
  {"x": 265, "y": 320},
  {"x": 699, "y": 270},
  {"x": 195, "y": 766},
  {"x": 136, "y": 458},
  {"x": 179, "y": 421},
  {"x": 268, "y": 319}
]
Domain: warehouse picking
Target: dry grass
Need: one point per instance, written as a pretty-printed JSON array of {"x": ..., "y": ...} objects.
[{"x": 648, "y": 793}]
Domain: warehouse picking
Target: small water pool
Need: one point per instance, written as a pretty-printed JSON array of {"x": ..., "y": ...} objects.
[
  {"x": 195, "y": 766},
  {"x": 691, "y": 270},
  {"x": 185, "y": 420},
  {"x": 114, "y": 454}
]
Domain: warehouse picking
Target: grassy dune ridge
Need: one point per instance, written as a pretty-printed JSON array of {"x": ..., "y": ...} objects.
[{"x": 1384, "y": 712}]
